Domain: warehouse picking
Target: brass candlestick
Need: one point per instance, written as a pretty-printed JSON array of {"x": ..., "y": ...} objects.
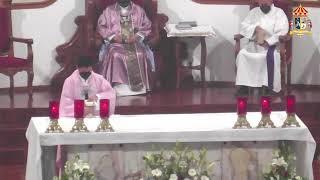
[
  {"x": 242, "y": 123},
  {"x": 291, "y": 121},
  {"x": 79, "y": 126},
  {"x": 54, "y": 127},
  {"x": 105, "y": 126},
  {"x": 266, "y": 122}
]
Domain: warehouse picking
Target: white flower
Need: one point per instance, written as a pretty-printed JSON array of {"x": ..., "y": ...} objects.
[
  {"x": 271, "y": 178},
  {"x": 156, "y": 172},
  {"x": 195, "y": 178},
  {"x": 204, "y": 178},
  {"x": 279, "y": 162},
  {"x": 183, "y": 164},
  {"x": 80, "y": 165},
  {"x": 298, "y": 178},
  {"x": 192, "y": 172},
  {"x": 173, "y": 177},
  {"x": 76, "y": 166},
  {"x": 276, "y": 153}
]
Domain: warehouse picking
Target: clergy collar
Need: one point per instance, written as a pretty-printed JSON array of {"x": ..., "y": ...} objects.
[{"x": 83, "y": 81}]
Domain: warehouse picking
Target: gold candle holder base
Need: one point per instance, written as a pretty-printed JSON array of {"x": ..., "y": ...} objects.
[
  {"x": 104, "y": 126},
  {"x": 79, "y": 126},
  {"x": 54, "y": 127},
  {"x": 266, "y": 122},
  {"x": 291, "y": 121},
  {"x": 242, "y": 123}
]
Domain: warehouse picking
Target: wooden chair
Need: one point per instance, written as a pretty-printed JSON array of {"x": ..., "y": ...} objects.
[
  {"x": 284, "y": 43},
  {"x": 87, "y": 41},
  {"x": 9, "y": 64}
]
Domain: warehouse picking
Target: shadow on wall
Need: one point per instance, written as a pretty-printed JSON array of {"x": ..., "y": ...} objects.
[
  {"x": 67, "y": 24},
  {"x": 306, "y": 65},
  {"x": 68, "y": 19},
  {"x": 220, "y": 59}
]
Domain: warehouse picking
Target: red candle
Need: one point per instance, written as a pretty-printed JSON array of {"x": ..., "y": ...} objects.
[
  {"x": 242, "y": 105},
  {"x": 291, "y": 104},
  {"x": 104, "y": 108},
  {"x": 78, "y": 108},
  {"x": 54, "y": 110},
  {"x": 265, "y": 105}
]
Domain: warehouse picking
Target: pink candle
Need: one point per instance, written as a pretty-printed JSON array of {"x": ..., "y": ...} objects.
[
  {"x": 78, "y": 109},
  {"x": 104, "y": 108},
  {"x": 265, "y": 105},
  {"x": 54, "y": 110},
  {"x": 242, "y": 105},
  {"x": 291, "y": 104}
]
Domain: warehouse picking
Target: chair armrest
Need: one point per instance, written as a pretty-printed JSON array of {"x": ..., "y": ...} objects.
[
  {"x": 285, "y": 38},
  {"x": 237, "y": 37},
  {"x": 158, "y": 25},
  {"x": 162, "y": 20},
  {"x": 29, "y": 43},
  {"x": 22, "y": 40}
]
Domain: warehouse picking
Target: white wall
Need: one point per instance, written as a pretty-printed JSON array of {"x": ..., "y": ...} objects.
[
  {"x": 49, "y": 27},
  {"x": 54, "y": 25},
  {"x": 306, "y": 56}
]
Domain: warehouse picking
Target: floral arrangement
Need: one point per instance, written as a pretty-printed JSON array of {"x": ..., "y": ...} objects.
[
  {"x": 76, "y": 169},
  {"x": 179, "y": 164},
  {"x": 282, "y": 166}
]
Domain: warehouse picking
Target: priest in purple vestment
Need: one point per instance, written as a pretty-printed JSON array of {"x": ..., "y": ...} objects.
[
  {"x": 126, "y": 61},
  {"x": 87, "y": 85}
]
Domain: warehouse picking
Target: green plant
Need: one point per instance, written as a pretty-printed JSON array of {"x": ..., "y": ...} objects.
[
  {"x": 181, "y": 163},
  {"x": 76, "y": 169},
  {"x": 282, "y": 166}
]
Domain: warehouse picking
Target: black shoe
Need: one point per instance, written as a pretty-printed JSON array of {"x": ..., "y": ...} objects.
[{"x": 243, "y": 91}]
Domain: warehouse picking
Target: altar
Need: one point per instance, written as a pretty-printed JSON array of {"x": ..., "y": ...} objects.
[{"x": 137, "y": 134}]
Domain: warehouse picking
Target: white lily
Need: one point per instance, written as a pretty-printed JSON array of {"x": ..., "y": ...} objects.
[
  {"x": 173, "y": 177},
  {"x": 192, "y": 172},
  {"x": 156, "y": 172}
]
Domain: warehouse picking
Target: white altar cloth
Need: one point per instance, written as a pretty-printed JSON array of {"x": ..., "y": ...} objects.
[{"x": 155, "y": 128}]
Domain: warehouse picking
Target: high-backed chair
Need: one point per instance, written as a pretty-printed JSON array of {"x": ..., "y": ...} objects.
[
  {"x": 9, "y": 64},
  {"x": 284, "y": 43},
  {"x": 87, "y": 41}
]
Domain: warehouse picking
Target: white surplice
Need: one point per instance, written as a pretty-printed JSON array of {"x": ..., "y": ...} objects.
[{"x": 251, "y": 60}]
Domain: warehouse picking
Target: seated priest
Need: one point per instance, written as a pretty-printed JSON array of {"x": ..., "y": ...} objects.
[
  {"x": 258, "y": 63},
  {"x": 84, "y": 84},
  {"x": 126, "y": 60}
]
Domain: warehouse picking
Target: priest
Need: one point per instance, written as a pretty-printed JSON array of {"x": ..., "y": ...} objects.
[
  {"x": 258, "y": 63},
  {"x": 87, "y": 85},
  {"x": 126, "y": 60}
]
